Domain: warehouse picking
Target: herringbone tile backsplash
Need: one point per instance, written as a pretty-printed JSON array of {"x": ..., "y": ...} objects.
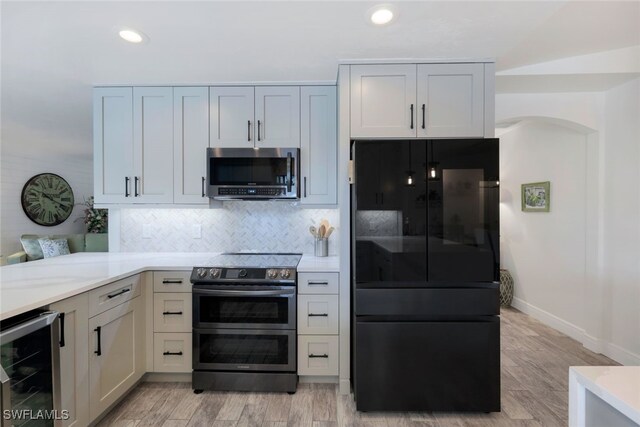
[{"x": 273, "y": 226}]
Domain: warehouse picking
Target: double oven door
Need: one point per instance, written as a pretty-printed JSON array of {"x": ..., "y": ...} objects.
[{"x": 244, "y": 328}]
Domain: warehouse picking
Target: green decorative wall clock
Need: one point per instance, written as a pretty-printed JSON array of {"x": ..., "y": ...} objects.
[{"x": 47, "y": 199}]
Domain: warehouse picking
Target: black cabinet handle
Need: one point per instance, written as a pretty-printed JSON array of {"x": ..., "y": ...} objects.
[
  {"x": 424, "y": 120},
  {"x": 135, "y": 187},
  {"x": 117, "y": 294},
  {"x": 305, "y": 186},
  {"x": 61, "y": 330},
  {"x": 318, "y": 315},
  {"x": 248, "y": 130},
  {"x": 99, "y": 350},
  {"x": 170, "y": 313},
  {"x": 126, "y": 186},
  {"x": 172, "y": 281},
  {"x": 411, "y": 116},
  {"x": 312, "y": 283},
  {"x": 172, "y": 353},
  {"x": 318, "y": 356},
  {"x": 203, "y": 180},
  {"x": 258, "y": 130}
]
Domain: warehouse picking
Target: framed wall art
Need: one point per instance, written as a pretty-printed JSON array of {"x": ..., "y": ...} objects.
[{"x": 536, "y": 196}]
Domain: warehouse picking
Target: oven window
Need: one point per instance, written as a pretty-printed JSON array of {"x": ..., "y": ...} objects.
[
  {"x": 245, "y": 349},
  {"x": 252, "y": 171},
  {"x": 268, "y": 310}
]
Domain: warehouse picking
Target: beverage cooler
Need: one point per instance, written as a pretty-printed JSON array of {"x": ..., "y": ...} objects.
[
  {"x": 425, "y": 256},
  {"x": 29, "y": 370}
]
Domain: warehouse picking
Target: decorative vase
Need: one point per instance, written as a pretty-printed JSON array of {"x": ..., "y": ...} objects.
[{"x": 506, "y": 288}]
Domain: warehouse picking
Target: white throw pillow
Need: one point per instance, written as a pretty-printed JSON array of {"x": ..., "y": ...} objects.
[{"x": 55, "y": 247}]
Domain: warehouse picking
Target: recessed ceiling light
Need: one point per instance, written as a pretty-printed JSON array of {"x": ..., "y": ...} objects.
[
  {"x": 131, "y": 36},
  {"x": 382, "y": 16}
]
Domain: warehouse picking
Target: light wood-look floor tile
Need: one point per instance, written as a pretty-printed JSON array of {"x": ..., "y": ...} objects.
[{"x": 535, "y": 362}]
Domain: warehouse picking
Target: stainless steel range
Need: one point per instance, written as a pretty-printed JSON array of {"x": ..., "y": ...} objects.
[{"x": 244, "y": 323}]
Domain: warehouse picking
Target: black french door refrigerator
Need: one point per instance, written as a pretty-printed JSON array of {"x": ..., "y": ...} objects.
[{"x": 425, "y": 264}]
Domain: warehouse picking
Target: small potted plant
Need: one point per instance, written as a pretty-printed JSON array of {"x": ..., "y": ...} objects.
[{"x": 96, "y": 220}]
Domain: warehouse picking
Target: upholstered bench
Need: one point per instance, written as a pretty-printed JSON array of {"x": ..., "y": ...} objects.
[{"x": 89, "y": 242}]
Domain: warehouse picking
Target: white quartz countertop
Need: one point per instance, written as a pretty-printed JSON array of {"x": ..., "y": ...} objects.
[
  {"x": 619, "y": 386},
  {"x": 35, "y": 284}
]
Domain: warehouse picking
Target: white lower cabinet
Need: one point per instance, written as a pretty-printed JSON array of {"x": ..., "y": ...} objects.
[
  {"x": 318, "y": 355},
  {"x": 318, "y": 322},
  {"x": 172, "y": 352},
  {"x": 74, "y": 358},
  {"x": 116, "y": 353},
  {"x": 172, "y": 312}
]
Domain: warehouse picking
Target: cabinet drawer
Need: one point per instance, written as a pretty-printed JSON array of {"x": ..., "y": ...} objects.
[
  {"x": 318, "y": 314},
  {"x": 172, "y": 312},
  {"x": 171, "y": 281},
  {"x": 172, "y": 352},
  {"x": 318, "y": 283},
  {"x": 113, "y": 294},
  {"x": 317, "y": 355}
]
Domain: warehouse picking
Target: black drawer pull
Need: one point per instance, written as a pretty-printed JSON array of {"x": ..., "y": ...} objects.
[
  {"x": 168, "y": 313},
  {"x": 318, "y": 315},
  {"x": 172, "y": 353},
  {"x": 172, "y": 282},
  {"x": 62, "y": 330},
  {"x": 117, "y": 294},
  {"x": 310, "y": 283},
  {"x": 99, "y": 350},
  {"x": 318, "y": 356}
]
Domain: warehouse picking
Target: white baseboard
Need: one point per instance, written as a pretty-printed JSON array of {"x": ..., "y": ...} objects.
[
  {"x": 549, "y": 319},
  {"x": 613, "y": 351}
]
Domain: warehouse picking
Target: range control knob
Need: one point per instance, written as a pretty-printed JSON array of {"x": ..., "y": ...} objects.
[
  {"x": 214, "y": 273},
  {"x": 242, "y": 273},
  {"x": 201, "y": 272},
  {"x": 285, "y": 273},
  {"x": 272, "y": 274}
]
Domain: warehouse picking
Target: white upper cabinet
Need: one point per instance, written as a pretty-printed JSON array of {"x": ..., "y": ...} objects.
[
  {"x": 383, "y": 101},
  {"x": 190, "y": 142},
  {"x": 153, "y": 144},
  {"x": 318, "y": 145},
  {"x": 277, "y": 116},
  {"x": 247, "y": 116},
  {"x": 421, "y": 100},
  {"x": 113, "y": 144},
  {"x": 450, "y": 100},
  {"x": 231, "y": 116}
]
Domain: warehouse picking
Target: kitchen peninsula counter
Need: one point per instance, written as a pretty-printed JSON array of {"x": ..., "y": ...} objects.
[{"x": 35, "y": 284}]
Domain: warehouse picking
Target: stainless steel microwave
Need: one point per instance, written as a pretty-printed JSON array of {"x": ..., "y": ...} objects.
[{"x": 253, "y": 174}]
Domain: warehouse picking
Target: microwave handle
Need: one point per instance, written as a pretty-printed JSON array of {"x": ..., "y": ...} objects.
[{"x": 289, "y": 173}]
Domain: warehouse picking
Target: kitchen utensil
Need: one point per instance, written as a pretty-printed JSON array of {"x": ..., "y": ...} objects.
[
  {"x": 313, "y": 231},
  {"x": 321, "y": 231},
  {"x": 325, "y": 223},
  {"x": 328, "y": 232}
]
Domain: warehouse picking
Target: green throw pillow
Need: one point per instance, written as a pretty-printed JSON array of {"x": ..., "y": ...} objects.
[{"x": 31, "y": 247}]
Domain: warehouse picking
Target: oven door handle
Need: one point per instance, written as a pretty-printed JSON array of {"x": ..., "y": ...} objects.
[{"x": 227, "y": 292}]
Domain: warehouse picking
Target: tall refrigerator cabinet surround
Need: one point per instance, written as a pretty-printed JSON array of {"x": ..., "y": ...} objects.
[{"x": 426, "y": 263}]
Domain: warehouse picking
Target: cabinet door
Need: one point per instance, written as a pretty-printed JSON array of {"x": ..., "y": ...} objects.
[
  {"x": 318, "y": 145},
  {"x": 153, "y": 144},
  {"x": 383, "y": 101},
  {"x": 74, "y": 358},
  {"x": 277, "y": 116},
  {"x": 450, "y": 100},
  {"x": 231, "y": 116},
  {"x": 113, "y": 144},
  {"x": 121, "y": 361},
  {"x": 190, "y": 142}
]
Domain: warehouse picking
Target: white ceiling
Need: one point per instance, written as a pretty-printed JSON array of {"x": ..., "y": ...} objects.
[{"x": 53, "y": 52}]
